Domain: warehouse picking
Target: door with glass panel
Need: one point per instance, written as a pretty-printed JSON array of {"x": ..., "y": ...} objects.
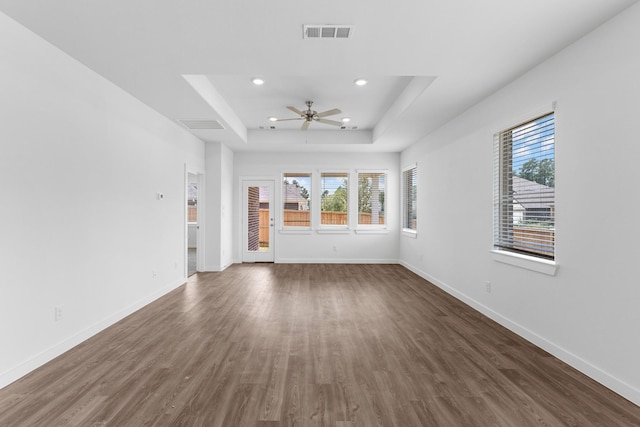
[{"x": 258, "y": 221}]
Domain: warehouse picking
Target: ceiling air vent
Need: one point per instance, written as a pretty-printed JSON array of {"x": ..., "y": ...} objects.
[
  {"x": 202, "y": 124},
  {"x": 327, "y": 31}
]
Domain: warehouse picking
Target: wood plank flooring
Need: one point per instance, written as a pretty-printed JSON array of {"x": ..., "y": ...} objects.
[{"x": 276, "y": 345}]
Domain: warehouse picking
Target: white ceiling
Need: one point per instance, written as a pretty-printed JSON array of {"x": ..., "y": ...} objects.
[{"x": 426, "y": 60}]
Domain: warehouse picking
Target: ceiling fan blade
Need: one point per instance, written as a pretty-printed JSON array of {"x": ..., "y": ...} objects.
[
  {"x": 284, "y": 120},
  {"x": 295, "y": 110},
  {"x": 330, "y": 122},
  {"x": 329, "y": 112},
  {"x": 305, "y": 125}
]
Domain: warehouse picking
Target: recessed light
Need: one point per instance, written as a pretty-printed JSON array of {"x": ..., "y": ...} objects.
[
  {"x": 257, "y": 81},
  {"x": 360, "y": 82},
  {"x": 346, "y": 119},
  {"x": 273, "y": 119}
]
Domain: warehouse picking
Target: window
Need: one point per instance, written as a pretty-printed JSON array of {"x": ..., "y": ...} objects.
[
  {"x": 296, "y": 200},
  {"x": 409, "y": 198},
  {"x": 524, "y": 188},
  {"x": 334, "y": 198},
  {"x": 371, "y": 193}
]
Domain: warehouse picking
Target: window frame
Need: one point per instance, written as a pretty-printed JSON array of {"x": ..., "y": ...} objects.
[
  {"x": 406, "y": 210},
  {"x": 384, "y": 204},
  {"x": 504, "y": 201},
  {"x": 344, "y": 174},
  {"x": 293, "y": 228}
]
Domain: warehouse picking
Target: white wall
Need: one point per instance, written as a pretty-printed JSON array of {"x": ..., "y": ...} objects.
[
  {"x": 81, "y": 163},
  {"x": 315, "y": 247},
  {"x": 219, "y": 206},
  {"x": 227, "y": 212},
  {"x": 588, "y": 313}
]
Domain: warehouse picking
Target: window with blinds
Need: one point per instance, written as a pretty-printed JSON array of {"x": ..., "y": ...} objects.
[
  {"x": 372, "y": 187},
  {"x": 334, "y": 198},
  {"x": 524, "y": 188},
  {"x": 296, "y": 199},
  {"x": 409, "y": 198}
]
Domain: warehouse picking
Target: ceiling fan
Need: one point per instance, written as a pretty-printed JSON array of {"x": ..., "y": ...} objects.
[{"x": 310, "y": 115}]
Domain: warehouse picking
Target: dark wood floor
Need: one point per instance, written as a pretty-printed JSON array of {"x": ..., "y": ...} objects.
[{"x": 309, "y": 345}]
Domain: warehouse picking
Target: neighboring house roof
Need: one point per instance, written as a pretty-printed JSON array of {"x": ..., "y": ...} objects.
[
  {"x": 264, "y": 194},
  {"x": 292, "y": 194},
  {"x": 531, "y": 195},
  {"x": 192, "y": 191}
]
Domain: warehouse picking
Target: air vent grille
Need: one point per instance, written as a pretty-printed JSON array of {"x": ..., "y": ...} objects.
[
  {"x": 327, "y": 31},
  {"x": 202, "y": 124}
]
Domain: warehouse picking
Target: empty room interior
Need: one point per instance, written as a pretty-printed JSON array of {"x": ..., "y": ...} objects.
[{"x": 319, "y": 213}]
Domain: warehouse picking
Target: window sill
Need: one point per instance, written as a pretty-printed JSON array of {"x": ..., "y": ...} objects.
[
  {"x": 371, "y": 231},
  {"x": 410, "y": 233},
  {"x": 543, "y": 266},
  {"x": 333, "y": 231},
  {"x": 295, "y": 231}
]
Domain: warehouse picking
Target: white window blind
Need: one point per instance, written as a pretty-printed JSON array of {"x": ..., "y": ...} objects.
[
  {"x": 524, "y": 188},
  {"x": 372, "y": 188},
  {"x": 296, "y": 199},
  {"x": 409, "y": 198},
  {"x": 334, "y": 198}
]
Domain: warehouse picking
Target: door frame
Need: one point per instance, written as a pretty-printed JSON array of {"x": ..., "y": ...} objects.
[
  {"x": 200, "y": 227},
  {"x": 258, "y": 256}
]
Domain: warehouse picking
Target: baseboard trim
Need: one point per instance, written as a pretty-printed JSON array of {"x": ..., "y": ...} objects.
[
  {"x": 613, "y": 383},
  {"x": 22, "y": 369},
  {"x": 335, "y": 261},
  {"x": 216, "y": 268}
]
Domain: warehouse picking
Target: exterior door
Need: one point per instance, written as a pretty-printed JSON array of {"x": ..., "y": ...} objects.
[{"x": 258, "y": 221}]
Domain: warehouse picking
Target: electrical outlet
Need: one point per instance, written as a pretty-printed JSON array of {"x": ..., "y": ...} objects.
[
  {"x": 154, "y": 274},
  {"x": 487, "y": 286},
  {"x": 57, "y": 313},
  {"x": 335, "y": 249}
]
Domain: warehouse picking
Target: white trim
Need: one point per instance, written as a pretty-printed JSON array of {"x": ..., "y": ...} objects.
[
  {"x": 219, "y": 268},
  {"x": 371, "y": 231},
  {"x": 403, "y": 205},
  {"x": 523, "y": 117},
  {"x": 533, "y": 263},
  {"x": 335, "y": 261},
  {"x": 269, "y": 254},
  {"x": 384, "y": 171},
  {"x": 291, "y": 230},
  {"x": 337, "y": 230},
  {"x": 279, "y": 202},
  {"x": 318, "y": 200},
  {"x": 529, "y": 262},
  {"x": 408, "y": 232},
  {"x": 22, "y": 369},
  {"x": 608, "y": 380},
  {"x": 411, "y": 166}
]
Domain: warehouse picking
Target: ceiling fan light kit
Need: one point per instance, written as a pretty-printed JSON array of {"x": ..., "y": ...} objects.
[{"x": 310, "y": 116}]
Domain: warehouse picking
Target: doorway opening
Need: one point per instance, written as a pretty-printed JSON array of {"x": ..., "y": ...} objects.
[{"x": 192, "y": 224}]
